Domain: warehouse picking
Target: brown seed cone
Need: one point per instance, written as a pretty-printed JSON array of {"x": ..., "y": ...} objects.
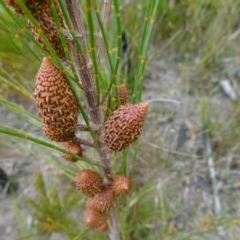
[
  {"x": 121, "y": 185},
  {"x": 55, "y": 102},
  {"x": 124, "y": 126},
  {"x": 73, "y": 147},
  {"x": 123, "y": 95},
  {"x": 34, "y": 6},
  {"x": 94, "y": 219},
  {"x": 49, "y": 28},
  {"x": 103, "y": 228},
  {"x": 57, "y": 135},
  {"x": 89, "y": 182},
  {"x": 103, "y": 201}
]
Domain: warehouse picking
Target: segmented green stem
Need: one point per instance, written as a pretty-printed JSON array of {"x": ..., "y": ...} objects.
[
  {"x": 146, "y": 34},
  {"x": 24, "y": 135},
  {"x": 63, "y": 41},
  {"x": 104, "y": 34},
  {"x": 23, "y": 30},
  {"x": 70, "y": 27},
  {"x": 92, "y": 48},
  {"x": 113, "y": 81}
]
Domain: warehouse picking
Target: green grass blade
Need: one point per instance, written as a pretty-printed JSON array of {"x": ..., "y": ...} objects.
[{"x": 37, "y": 140}]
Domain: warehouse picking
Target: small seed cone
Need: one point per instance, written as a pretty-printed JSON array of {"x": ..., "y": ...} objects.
[
  {"x": 103, "y": 228},
  {"x": 121, "y": 185},
  {"x": 103, "y": 201},
  {"x": 94, "y": 219},
  {"x": 34, "y": 6},
  {"x": 123, "y": 95},
  {"x": 89, "y": 182},
  {"x": 73, "y": 147},
  {"x": 55, "y": 102},
  {"x": 124, "y": 126}
]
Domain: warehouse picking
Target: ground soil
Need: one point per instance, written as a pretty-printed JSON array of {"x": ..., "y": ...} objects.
[{"x": 173, "y": 136}]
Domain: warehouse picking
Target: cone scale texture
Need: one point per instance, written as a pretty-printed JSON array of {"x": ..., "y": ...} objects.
[
  {"x": 124, "y": 126},
  {"x": 49, "y": 28},
  {"x": 89, "y": 182},
  {"x": 94, "y": 219},
  {"x": 56, "y": 103},
  {"x": 103, "y": 201},
  {"x": 121, "y": 185},
  {"x": 34, "y": 6},
  {"x": 73, "y": 147},
  {"x": 123, "y": 95}
]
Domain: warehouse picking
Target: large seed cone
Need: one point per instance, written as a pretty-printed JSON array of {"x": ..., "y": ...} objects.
[
  {"x": 121, "y": 185},
  {"x": 95, "y": 219},
  {"x": 103, "y": 201},
  {"x": 49, "y": 28},
  {"x": 34, "y": 6},
  {"x": 89, "y": 182},
  {"x": 55, "y": 101},
  {"x": 124, "y": 126}
]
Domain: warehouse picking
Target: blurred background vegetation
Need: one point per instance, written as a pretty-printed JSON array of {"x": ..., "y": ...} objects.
[{"x": 200, "y": 40}]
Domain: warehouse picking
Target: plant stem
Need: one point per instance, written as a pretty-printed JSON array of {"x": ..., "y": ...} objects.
[
  {"x": 84, "y": 68},
  {"x": 85, "y": 71}
]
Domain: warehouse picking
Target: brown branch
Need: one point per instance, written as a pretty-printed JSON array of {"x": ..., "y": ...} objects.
[
  {"x": 83, "y": 66},
  {"x": 81, "y": 141},
  {"x": 85, "y": 72},
  {"x": 114, "y": 233},
  {"x": 82, "y": 127}
]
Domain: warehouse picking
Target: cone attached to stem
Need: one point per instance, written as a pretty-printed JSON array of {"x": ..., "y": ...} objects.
[
  {"x": 89, "y": 182},
  {"x": 103, "y": 201},
  {"x": 124, "y": 126},
  {"x": 56, "y": 103},
  {"x": 121, "y": 185},
  {"x": 73, "y": 147},
  {"x": 95, "y": 219}
]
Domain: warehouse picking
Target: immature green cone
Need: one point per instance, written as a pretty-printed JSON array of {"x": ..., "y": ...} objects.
[
  {"x": 89, "y": 182},
  {"x": 94, "y": 219},
  {"x": 124, "y": 126},
  {"x": 73, "y": 147},
  {"x": 121, "y": 185},
  {"x": 55, "y": 102},
  {"x": 34, "y": 6},
  {"x": 103, "y": 201}
]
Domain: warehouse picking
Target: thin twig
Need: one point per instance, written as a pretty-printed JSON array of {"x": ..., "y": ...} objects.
[
  {"x": 161, "y": 100},
  {"x": 81, "y": 141},
  {"x": 82, "y": 127},
  {"x": 114, "y": 233},
  {"x": 212, "y": 173}
]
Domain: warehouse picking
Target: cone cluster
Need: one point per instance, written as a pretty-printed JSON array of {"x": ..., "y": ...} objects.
[
  {"x": 40, "y": 9},
  {"x": 102, "y": 197},
  {"x": 56, "y": 103},
  {"x": 124, "y": 126}
]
